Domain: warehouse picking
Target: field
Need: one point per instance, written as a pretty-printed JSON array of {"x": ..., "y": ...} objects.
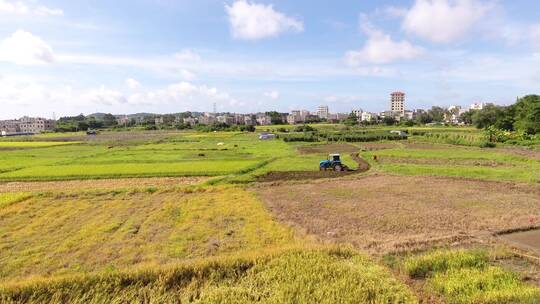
[{"x": 223, "y": 217}]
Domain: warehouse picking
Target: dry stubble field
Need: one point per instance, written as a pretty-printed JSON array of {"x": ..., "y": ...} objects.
[{"x": 383, "y": 213}]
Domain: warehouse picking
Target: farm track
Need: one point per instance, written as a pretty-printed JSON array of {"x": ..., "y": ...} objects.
[
  {"x": 363, "y": 166},
  {"x": 73, "y": 185}
]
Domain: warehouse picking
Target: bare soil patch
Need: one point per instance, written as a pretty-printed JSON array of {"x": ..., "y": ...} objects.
[
  {"x": 329, "y": 148},
  {"x": 363, "y": 166},
  {"x": 386, "y": 213},
  {"x": 522, "y": 152},
  {"x": 97, "y": 184},
  {"x": 526, "y": 240}
]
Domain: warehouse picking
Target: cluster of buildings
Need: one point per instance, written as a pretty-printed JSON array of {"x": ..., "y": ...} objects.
[
  {"x": 26, "y": 125},
  {"x": 207, "y": 118},
  {"x": 322, "y": 113},
  {"x": 397, "y": 111}
]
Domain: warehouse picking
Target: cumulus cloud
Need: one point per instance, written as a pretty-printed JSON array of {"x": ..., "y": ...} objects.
[
  {"x": 20, "y": 8},
  {"x": 274, "y": 95},
  {"x": 444, "y": 21},
  {"x": 380, "y": 48},
  {"x": 132, "y": 83},
  {"x": 25, "y": 95},
  {"x": 250, "y": 20},
  {"x": 25, "y": 48},
  {"x": 104, "y": 96},
  {"x": 182, "y": 93}
]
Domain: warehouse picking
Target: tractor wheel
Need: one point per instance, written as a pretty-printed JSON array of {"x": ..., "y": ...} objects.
[{"x": 337, "y": 168}]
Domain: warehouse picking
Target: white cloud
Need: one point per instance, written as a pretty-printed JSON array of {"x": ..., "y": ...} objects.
[
  {"x": 535, "y": 36},
  {"x": 132, "y": 83},
  {"x": 104, "y": 96},
  {"x": 187, "y": 75},
  {"x": 24, "y": 95},
  {"x": 187, "y": 56},
  {"x": 184, "y": 93},
  {"x": 380, "y": 48},
  {"x": 250, "y": 20},
  {"x": 444, "y": 21},
  {"x": 45, "y": 11},
  {"x": 274, "y": 95},
  {"x": 20, "y": 8},
  {"x": 26, "y": 49}
]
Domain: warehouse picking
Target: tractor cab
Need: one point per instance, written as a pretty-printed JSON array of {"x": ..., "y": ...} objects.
[
  {"x": 332, "y": 162},
  {"x": 334, "y": 158}
]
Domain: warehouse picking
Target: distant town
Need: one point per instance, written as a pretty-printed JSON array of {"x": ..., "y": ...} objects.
[{"x": 396, "y": 114}]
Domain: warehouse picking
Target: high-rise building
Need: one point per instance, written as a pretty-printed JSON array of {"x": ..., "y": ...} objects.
[
  {"x": 322, "y": 112},
  {"x": 397, "y": 102}
]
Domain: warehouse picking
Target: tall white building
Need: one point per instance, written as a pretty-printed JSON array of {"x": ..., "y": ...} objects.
[
  {"x": 477, "y": 106},
  {"x": 397, "y": 102},
  {"x": 366, "y": 116},
  {"x": 322, "y": 112}
]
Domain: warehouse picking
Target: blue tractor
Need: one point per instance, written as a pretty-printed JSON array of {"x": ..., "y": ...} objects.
[{"x": 333, "y": 162}]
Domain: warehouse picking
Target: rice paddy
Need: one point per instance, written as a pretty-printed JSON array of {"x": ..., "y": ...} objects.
[{"x": 187, "y": 217}]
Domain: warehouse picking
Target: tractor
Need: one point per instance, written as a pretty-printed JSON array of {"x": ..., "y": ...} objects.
[{"x": 333, "y": 162}]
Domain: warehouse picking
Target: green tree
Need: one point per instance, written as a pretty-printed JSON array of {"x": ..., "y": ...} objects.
[
  {"x": 389, "y": 120},
  {"x": 527, "y": 114},
  {"x": 351, "y": 120},
  {"x": 109, "y": 120},
  {"x": 437, "y": 114},
  {"x": 275, "y": 117},
  {"x": 467, "y": 117}
]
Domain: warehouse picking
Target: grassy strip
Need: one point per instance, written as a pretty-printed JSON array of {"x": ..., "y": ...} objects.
[
  {"x": 467, "y": 277},
  {"x": 8, "y": 199},
  {"x": 292, "y": 276},
  {"x": 496, "y": 174},
  {"x": 35, "y": 144},
  {"x": 193, "y": 168}
]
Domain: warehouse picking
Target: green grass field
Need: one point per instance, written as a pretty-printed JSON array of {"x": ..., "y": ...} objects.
[{"x": 457, "y": 161}]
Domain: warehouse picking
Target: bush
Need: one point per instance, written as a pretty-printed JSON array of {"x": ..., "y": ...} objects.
[{"x": 488, "y": 144}]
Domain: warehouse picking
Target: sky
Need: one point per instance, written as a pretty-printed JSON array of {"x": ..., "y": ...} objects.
[{"x": 166, "y": 56}]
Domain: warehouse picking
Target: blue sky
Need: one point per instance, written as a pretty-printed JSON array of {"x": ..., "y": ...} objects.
[{"x": 161, "y": 56}]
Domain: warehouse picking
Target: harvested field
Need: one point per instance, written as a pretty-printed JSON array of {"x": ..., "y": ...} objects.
[
  {"x": 433, "y": 161},
  {"x": 98, "y": 184},
  {"x": 375, "y": 146},
  {"x": 385, "y": 213},
  {"x": 427, "y": 146},
  {"x": 330, "y": 148}
]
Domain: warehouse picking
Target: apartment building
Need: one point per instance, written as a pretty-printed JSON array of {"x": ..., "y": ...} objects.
[
  {"x": 36, "y": 124},
  {"x": 322, "y": 112},
  {"x": 397, "y": 102}
]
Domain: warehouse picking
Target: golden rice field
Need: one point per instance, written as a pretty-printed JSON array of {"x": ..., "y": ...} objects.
[{"x": 187, "y": 217}]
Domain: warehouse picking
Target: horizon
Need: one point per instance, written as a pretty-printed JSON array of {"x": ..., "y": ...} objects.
[{"x": 256, "y": 56}]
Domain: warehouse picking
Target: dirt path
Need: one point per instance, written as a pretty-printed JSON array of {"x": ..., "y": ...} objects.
[
  {"x": 526, "y": 240},
  {"x": 97, "y": 184}
]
